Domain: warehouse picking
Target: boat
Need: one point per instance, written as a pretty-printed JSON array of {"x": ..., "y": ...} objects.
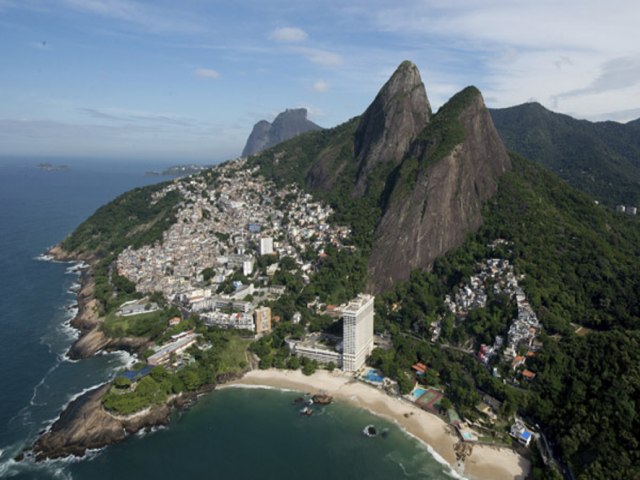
[{"x": 369, "y": 431}]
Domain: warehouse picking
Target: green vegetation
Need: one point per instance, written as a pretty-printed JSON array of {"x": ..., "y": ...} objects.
[
  {"x": 151, "y": 390},
  {"x": 273, "y": 350},
  {"x": 131, "y": 219},
  {"x": 580, "y": 260},
  {"x": 291, "y": 161},
  {"x": 445, "y": 130},
  {"x": 227, "y": 356},
  {"x": 580, "y": 265},
  {"x": 599, "y": 158},
  {"x": 149, "y": 325}
]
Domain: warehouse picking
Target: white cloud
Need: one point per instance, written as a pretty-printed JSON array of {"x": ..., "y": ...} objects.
[
  {"x": 577, "y": 56},
  {"x": 320, "y": 86},
  {"x": 320, "y": 56},
  {"x": 288, "y": 34},
  {"x": 206, "y": 73}
]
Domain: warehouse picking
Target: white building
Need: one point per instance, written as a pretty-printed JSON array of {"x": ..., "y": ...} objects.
[
  {"x": 317, "y": 352},
  {"x": 266, "y": 246},
  {"x": 357, "y": 332}
]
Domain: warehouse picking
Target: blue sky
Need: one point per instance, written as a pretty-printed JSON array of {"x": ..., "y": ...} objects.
[{"x": 187, "y": 80}]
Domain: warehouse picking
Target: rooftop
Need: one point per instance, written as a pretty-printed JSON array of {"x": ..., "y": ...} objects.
[{"x": 355, "y": 305}]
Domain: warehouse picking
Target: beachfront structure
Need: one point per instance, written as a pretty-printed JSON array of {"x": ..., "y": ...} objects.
[
  {"x": 176, "y": 347},
  {"x": 317, "y": 347},
  {"x": 357, "y": 332},
  {"x": 263, "y": 320}
]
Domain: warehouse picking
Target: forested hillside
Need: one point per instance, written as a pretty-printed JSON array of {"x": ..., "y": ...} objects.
[
  {"x": 599, "y": 158},
  {"x": 580, "y": 264}
]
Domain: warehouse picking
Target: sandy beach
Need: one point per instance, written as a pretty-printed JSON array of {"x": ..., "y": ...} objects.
[{"x": 485, "y": 463}]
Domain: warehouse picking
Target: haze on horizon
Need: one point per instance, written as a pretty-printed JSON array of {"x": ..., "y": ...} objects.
[{"x": 187, "y": 80}]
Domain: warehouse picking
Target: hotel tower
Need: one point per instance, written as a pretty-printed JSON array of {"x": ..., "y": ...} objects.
[{"x": 357, "y": 332}]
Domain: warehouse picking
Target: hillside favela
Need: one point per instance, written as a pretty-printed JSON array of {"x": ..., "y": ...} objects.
[{"x": 202, "y": 280}]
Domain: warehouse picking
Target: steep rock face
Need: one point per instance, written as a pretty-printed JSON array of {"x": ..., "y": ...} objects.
[
  {"x": 438, "y": 194},
  {"x": 288, "y": 124},
  {"x": 258, "y": 138},
  {"x": 389, "y": 126}
]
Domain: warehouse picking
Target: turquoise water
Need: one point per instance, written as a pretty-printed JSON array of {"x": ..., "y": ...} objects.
[
  {"x": 418, "y": 392},
  {"x": 231, "y": 434},
  {"x": 374, "y": 376}
]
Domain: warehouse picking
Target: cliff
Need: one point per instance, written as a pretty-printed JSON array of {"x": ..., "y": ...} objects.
[
  {"x": 288, "y": 124},
  {"x": 439, "y": 191},
  {"x": 392, "y": 122},
  {"x": 411, "y": 184}
]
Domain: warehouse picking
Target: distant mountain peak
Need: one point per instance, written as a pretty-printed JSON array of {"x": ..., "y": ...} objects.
[
  {"x": 288, "y": 124},
  {"x": 600, "y": 158}
]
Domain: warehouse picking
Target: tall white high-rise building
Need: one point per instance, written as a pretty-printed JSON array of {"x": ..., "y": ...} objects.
[
  {"x": 357, "y": 332},
  {"x": 266, "y": 246}
]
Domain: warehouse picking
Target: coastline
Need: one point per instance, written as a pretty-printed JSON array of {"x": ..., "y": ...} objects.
[
  {"x": 66, "y": 438},
  {"x": 485, "y": 463},
  {"x": 91, "y": 339}
]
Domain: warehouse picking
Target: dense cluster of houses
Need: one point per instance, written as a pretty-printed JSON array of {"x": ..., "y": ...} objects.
[
  {"x": 223, "y": 223},
  {"x": 523, "y": 332}
]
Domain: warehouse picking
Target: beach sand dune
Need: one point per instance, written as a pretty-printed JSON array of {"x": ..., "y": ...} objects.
[{"x": 486, "y": 462}]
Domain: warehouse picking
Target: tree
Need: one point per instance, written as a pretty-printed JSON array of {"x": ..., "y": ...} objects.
[
  {"x": 122, "y": 383},
  {"x": 445, "y": 404},
  {"x": 293, "y": 363},
  {"x": 309, "y": 366}
]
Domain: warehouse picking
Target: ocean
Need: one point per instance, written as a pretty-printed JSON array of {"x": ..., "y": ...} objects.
[{"x": 230, "y": 434}]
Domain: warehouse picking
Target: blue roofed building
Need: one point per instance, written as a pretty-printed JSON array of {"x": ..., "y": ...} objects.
[{"x": 521, "y": 433}]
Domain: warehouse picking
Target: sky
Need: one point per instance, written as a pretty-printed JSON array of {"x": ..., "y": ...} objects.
[{"x": 186, "y": 80}]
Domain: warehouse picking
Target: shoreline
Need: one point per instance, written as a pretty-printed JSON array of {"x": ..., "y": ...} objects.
[{"x": 485, "y": 463}]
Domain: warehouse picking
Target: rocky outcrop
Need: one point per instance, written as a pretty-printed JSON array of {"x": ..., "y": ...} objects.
[
  {"x": 258, "y": 139},
  {"x": 322, "y": 399},
  {"x": 85, "y": 425},
  {"x": 96, "y": 340},
  {"x": 88, "y": 320},
  {"x": 438, "y": 195},
  {"x": 392, "y": 122},
  {"x": 288, "y": 124}
]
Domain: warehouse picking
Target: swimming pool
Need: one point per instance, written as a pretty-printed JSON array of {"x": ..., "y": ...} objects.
[
  {"x": 417, "y": 393},
  {"x": 373, "y": 376}
]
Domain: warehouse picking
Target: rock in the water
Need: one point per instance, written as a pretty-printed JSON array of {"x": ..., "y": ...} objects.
[{"x": 322, "y": 399}]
